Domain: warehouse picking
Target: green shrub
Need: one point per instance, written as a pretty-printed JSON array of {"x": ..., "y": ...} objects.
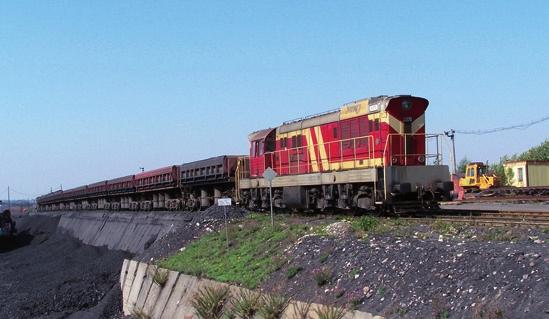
[
  {"x": 293, "y": 271},
  {"x": 160, "y": 277},
  {"x": 273, "y": 307},
  {"x": 324, "y": 256},
  {"x": 322, "y": 276},
  {"x": 327, "y": 312},
  {"x": 140, "y": 314},
  {"x": 209, "y": 303},
  {"x": 301, "y": 310},
  {"x": 366, "y": 223},
  {"x": 246, "y": 304}
]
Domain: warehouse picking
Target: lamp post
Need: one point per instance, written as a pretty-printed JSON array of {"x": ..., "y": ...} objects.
[{"x": 451, "y": 134}]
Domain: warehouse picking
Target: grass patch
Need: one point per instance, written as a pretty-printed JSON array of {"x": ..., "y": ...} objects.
[
  {"x": 444, "y": 228},
  {"x": 256, "y": 250},
  {"x": 322, "y": 276},
  {"x": 293, "y": 271},
  {"x": 366, "y": 223},
  {"x": 497, "y": 234}
]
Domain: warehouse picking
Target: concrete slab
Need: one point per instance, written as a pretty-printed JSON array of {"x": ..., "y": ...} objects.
[
  {"x": 136, "y": 286},
  {"x": 184, "y": 308},
  {"x": 152, "y": 297},
  {"x": 127, "y": 287},
  {"x": 165, "y": 294},
  {"x": 123, "y": 273},
  {"x": 145, "y": 287},
  {"x": 128, "y": 231},
  {"x": 179, "y": 290}
]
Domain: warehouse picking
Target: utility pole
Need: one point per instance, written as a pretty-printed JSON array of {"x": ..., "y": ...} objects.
[
  {"x": 9, "y": 202},
  {"x": 451, "y": 134}
]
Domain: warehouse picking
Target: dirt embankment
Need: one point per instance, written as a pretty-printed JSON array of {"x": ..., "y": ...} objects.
[{"x": 417, "y": 277}]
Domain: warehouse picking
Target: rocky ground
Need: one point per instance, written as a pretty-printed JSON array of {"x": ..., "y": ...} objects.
[{"x": 416, "y": 272}]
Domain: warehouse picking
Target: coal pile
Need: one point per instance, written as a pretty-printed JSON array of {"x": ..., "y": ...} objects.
[
  {"x": 419, "y": 278},
  {"x": 193, "y": 225},
  {"x": 55, "y": 276}
]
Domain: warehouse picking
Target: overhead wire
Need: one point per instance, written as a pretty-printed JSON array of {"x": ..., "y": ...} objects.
[{"x": 504, "y": 128}]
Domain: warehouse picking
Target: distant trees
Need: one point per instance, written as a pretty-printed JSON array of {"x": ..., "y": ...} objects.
[
  {"x": 462, "y": 165},
  {"x": 505, "y": 176},
  {"x": 537, "y": 153}
]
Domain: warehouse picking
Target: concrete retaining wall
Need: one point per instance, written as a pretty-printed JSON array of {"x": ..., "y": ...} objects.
[
  {"x": 127, "y": 231},
  {"x": 145, "y": 298}
]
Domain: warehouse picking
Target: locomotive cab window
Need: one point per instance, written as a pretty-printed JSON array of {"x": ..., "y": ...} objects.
[{"x": 261, "y": 148}]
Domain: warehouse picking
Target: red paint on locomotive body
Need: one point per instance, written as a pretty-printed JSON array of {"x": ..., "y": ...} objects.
[{"x": 382, "y": 131}]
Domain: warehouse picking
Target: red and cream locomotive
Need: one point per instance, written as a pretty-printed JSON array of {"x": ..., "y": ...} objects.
[{"x": 368, "y": 154}]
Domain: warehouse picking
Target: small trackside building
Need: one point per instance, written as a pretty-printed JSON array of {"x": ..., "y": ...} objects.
[{"x": 528, "y": 173}]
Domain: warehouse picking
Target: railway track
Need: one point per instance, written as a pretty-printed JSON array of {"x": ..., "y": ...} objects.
[{"x": 488, "y": 217}]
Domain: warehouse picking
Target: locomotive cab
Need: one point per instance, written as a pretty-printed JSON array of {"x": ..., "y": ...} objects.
[
  {"x": 261, "y": 143},
  {"x": 406, "y": 131}
]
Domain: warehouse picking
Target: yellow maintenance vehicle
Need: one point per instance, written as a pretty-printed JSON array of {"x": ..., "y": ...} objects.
[{"x": 477, "y": 178}]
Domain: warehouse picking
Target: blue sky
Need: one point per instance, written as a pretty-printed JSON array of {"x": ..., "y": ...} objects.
[{"x": 91, "y": 90}]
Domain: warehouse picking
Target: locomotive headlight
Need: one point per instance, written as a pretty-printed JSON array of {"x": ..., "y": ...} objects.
[
  {"x": 395, "y": 160},
  {"x": 406, "y": 105},
  {"x": 421, "y": 159}
]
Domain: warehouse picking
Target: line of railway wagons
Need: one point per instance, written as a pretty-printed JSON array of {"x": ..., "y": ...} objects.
[
  {"x": 369, "y": 154},
  {"x": 171, "y": 187}
]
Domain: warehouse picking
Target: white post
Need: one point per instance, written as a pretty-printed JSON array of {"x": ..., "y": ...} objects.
[
  {"x": 271, "y": 200},
  {"x": 226, "y": 227}
]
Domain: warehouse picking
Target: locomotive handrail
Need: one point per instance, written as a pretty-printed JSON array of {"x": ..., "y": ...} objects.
[
  {"x": 391, "y": 156},
  {"x": 322, "y": 161}
]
